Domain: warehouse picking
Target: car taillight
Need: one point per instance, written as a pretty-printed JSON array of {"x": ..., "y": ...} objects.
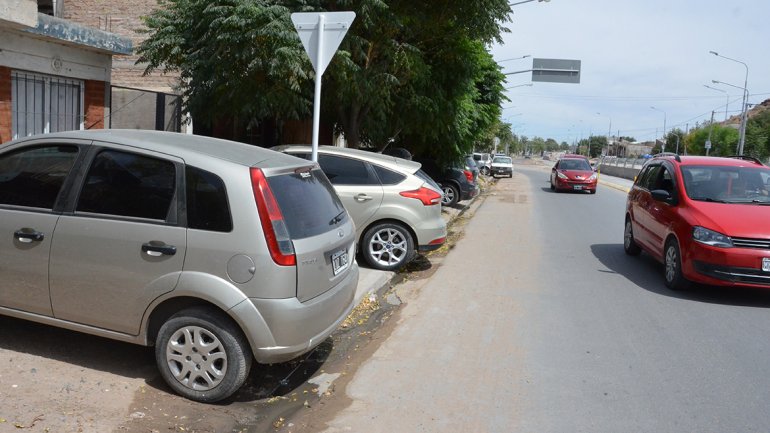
[
  {"x": 427, "y": 196},
  {"x": 468, "y": 175},
  {"x": 273, "y": 224}
]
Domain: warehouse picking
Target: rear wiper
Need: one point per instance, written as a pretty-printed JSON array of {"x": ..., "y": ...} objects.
[{"x": 337, "y": 219}]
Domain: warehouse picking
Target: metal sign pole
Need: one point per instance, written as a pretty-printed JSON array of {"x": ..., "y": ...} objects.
[{"x": 317, "y": 97}]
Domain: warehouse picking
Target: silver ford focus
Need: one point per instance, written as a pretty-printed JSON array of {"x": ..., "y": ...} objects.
[
  {"x": 215, "y": 252},
  {"x": 396, "y": 206}
]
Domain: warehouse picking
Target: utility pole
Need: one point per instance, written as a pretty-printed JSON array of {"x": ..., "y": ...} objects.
[{"x": 711, "y": 128}]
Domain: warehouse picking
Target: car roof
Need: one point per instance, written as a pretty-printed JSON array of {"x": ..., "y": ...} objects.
[
  {"x": 178, "y": 144},
  {"x": 573, "y": 156},
  {"x": 374, "y": 157},
  {"x": 737, "y": 161}
]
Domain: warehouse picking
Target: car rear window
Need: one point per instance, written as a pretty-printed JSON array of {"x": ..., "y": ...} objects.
[
  {"x": 308, "y": 203},
  {"x": 388, "y": 177}
]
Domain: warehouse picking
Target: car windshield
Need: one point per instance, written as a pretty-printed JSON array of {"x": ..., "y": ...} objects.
[
  {"x": 574, "y": 164},
  {"x": 727, "y": 184},
  {"x": 502, "y": 160}
]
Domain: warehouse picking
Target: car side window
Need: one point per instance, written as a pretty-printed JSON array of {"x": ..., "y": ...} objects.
[
  {"x": 648, "y": 177},
  {"x": 346, "y": 171},
  {"x": 130, "y": 185},
  {"x": 207, "y": 204},
  {"x": 388, "y": 177},
  {"x": 34, "y": 177}
]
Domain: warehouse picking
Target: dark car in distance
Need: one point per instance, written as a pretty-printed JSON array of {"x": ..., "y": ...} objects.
[{"x": 457, "y": 182}]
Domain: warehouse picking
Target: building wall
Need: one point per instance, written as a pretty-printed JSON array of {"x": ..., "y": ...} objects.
[
  {"x": 94, "y": 104},
  {"x": 123, "y": 18},
  {"x": 5, "y": 104}
]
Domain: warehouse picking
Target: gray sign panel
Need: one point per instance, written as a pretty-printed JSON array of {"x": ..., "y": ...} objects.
[{"x": 556, "y": 71}]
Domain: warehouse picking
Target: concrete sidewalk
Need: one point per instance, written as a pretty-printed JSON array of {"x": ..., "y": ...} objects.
[{"x": 615, "y": 182}]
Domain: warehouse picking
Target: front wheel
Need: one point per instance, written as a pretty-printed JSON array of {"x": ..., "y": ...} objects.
[
  {"x": 202, "y": 355},
  {"x": 387, "y": 246},
  {"x": 629, "y": 244},
  {"x": 485, "y": 171},
  {"x": 672, "y": 260}
]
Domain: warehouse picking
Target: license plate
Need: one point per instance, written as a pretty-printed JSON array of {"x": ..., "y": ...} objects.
[
  {"x": 577, "y": 186},
  {"x": 339, "y": 261},
  {"x": 766, "y": 264}
]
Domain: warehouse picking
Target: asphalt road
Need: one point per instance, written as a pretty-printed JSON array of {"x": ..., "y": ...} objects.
[{"x": 538, "y": 322}]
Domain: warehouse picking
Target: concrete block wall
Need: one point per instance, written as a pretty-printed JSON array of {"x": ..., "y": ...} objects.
[{"x": 123, "y": 18}]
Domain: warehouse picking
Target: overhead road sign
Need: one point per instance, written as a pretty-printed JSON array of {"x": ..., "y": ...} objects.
[{"x": 556, "y": 71}]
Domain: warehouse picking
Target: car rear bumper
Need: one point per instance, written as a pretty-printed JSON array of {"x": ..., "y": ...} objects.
[
  {"x": 470, "y": 192},
  {"x": 502, "y": 170},
  {"x": 298, "y": 327}
]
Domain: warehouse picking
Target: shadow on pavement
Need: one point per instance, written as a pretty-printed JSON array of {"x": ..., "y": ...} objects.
[{"x": 647, "y": 273}]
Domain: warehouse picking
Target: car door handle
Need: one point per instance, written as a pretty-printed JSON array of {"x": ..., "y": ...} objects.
[
  {"x": 28, "y": 235},
  {"x": 158, "y": 249},
  {"x": 363, "y": 197}
]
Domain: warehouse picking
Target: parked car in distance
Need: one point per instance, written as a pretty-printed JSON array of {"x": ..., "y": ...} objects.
[
  {"x": 396, "y": 206},
  {"x": 573, "y": 173},
  {"x": 215, "y": 252},
  {"x": 470, "y": 165},
  {"x": 502, "y": 166},
  {"x": 457, "y": 182},
  {"x": 483, "y": 161},
  {"x": 705, "y": 218}
]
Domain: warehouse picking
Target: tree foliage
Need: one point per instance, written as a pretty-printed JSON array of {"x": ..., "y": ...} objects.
[{"x": 414, "y": 73}]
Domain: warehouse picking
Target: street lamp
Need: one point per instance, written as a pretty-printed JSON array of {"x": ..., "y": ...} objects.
[
  {"x": 527, "y": 1},
  {"x": 518, "y": 85},
  {"x": 515, "y": 58},
  {"x": 663, "y": 149},
  {"x": 727, "y": 102},
  {"x": 677, "y": 141},
  {"x": 743, "y": 115},
  {"x": 745, "y": 106}
]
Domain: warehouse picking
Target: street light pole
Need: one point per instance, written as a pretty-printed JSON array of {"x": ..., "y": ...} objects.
[
  {"x": 727, "y": 101},
  {"x": 515, "y": 58},
  {"x": 663, "y": 149},
  {"x": 745, "y": 106},
  {"x": 526, "y": 1},
  {"x": 609, "y": 134},
  {"x": 518, "y": 85},
  {"x": 743, "y": 115}
]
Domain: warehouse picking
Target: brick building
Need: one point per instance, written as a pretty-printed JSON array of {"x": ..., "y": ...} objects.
[{"x": 54, "y": 74}]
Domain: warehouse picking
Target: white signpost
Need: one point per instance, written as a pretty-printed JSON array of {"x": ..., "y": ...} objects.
[{"x": 321, "y": 34}]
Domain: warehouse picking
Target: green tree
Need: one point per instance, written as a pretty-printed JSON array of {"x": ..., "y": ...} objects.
[
  {"x": 723, "y": 140},
  {"x": 414, "y": 72}
]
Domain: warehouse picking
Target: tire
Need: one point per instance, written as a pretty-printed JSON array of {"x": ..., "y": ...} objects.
[
  {"x": 217, "y": 345},
  {"x": 672, "y": 262},
  {"x": 553, "y": 188},
  {"x": 629, "y": 244},
  {"x": 485, "y": 171},
  {"x": 387, "y": 246},
  {"x": 451, "y": 194}
]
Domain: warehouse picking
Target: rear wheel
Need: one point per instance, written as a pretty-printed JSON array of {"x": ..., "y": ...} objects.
[
  {"x": 451, "y": 194},
  {"x": 672, "y": 260},
  {"x": 387, "y": 246},
  {"x": 202, "y": 355},
  {"x": 485, "y": 171},
  {"x": 629, "y": 244}
]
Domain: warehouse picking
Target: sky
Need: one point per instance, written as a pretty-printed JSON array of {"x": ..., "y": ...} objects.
[{"x": 635, "y": 54}]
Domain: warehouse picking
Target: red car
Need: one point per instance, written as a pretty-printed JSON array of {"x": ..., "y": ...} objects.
[
  {"x": 706, "y": 219},
  {"x": 573, "y": 173}
]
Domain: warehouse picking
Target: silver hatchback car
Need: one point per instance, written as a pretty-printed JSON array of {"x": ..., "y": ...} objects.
[
  {"x": 396, "y": 206},
  {"x": 207, "y": 249}
]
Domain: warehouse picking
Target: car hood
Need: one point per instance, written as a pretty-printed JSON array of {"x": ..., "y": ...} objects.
[
  {"x": 734, "y": 220},
  {"x": 577, "y": 174}
]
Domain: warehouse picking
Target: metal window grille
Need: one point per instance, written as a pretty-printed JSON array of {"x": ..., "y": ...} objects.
[{"x": 42, "y": 103}]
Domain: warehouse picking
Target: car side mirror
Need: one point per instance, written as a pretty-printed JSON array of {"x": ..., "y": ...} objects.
[{"x": 661, "y": 195}]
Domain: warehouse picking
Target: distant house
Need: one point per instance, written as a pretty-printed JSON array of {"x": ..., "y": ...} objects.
[{"x": 54, "y": 74}]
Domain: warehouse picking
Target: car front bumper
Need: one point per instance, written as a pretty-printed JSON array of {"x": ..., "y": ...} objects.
[
  {"x": 575, "y": 185},
  {"x": 741, "y": 267}
]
